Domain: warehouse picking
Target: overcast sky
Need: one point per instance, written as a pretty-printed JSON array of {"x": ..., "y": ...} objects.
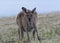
[{"x": 12, "y": 7}]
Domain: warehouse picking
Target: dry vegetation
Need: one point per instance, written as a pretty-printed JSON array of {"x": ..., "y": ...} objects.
[{"x": 48, "y": 27}]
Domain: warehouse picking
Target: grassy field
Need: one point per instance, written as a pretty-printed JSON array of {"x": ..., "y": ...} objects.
[{"x": 48, "y": 28}]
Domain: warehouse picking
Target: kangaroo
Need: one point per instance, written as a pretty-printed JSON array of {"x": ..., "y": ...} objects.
[{"x": 26, "y": 21}]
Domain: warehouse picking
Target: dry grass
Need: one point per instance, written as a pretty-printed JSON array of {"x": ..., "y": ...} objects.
[{"x": 48, "y": 28}]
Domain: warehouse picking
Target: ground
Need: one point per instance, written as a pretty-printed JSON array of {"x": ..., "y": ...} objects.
[{"x": 48, "y": 29}]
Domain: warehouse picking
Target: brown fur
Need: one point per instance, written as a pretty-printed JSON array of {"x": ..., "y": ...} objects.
[{"x": 26, "y": 21}]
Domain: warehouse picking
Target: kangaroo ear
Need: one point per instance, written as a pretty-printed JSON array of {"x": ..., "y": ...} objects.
[
  {"x": 33, "y": 10},
  {"x": 24, "y": 9}
]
